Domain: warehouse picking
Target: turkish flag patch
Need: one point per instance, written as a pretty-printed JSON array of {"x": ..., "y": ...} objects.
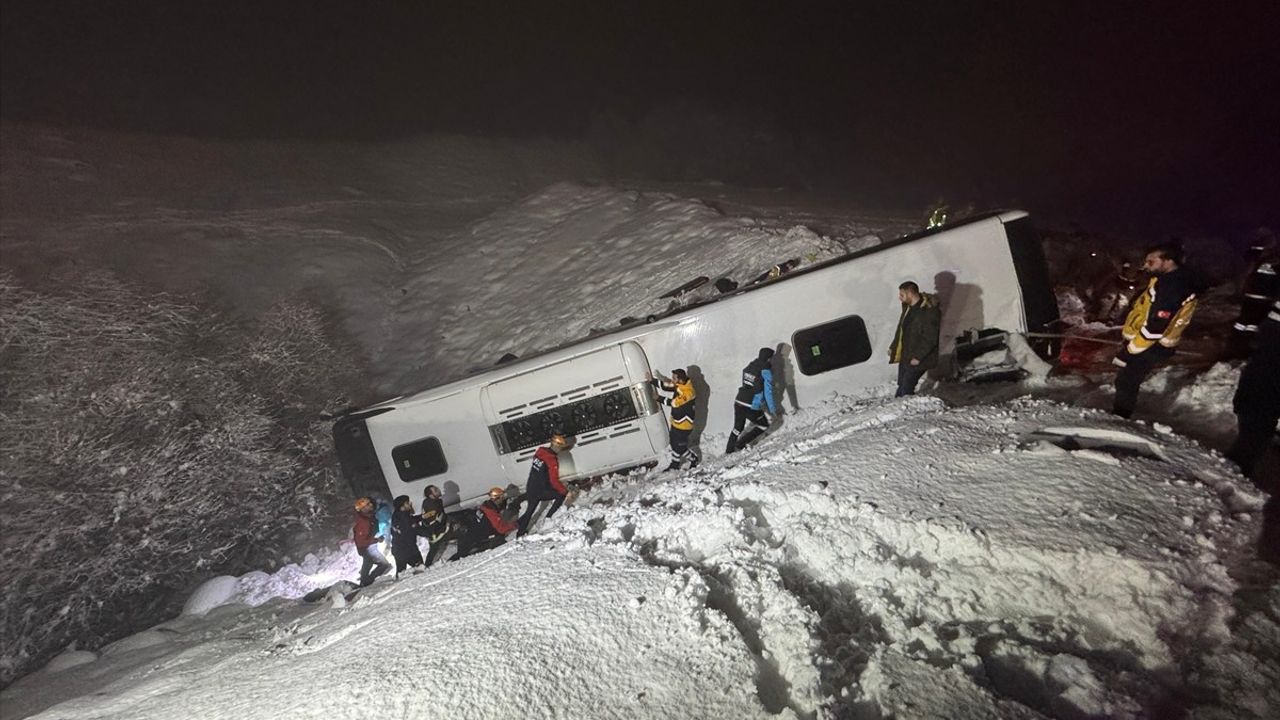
[{"x": 1164, "y": 314}]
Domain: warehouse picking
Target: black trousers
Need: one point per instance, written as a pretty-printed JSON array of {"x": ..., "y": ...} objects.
[
  {"x": 477, "y": 541},
  {"x": 1256, "y": 433},
  {"x": 679, "y": 441},
  {"x": 748, "y": 423},
  {"x": 1130, "y": 377},
  {"x": 909, "y": 377},
  {"x": 439, "y": 544},
  {"x": 531, "y": 507}
]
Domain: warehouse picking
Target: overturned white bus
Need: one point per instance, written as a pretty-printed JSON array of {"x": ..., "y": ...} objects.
[{"x": 831, "y": 324}]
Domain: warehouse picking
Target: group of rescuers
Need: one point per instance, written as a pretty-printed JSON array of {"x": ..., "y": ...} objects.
[{"x": 1152, "y": 329}]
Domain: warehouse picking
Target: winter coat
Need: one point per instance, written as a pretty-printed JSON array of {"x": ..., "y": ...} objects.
[
  {"x": 434, "y": 520},
  {"x": 364, "y": 530},
  {"x": 405, "y": 529},
  {"x": 1258, "y": 392},
  {"x": 680, "y": 401},
  {"x": 544, "y": 476},
  {"x": 756, "y": 390},
  {"x": 1161, "y": 312},
  {"x": 917, "y": 335},
  {"x": 488, "y": 522}
]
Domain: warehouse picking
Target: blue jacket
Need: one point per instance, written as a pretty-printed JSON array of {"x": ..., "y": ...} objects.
[{"x": 756, "y": 390}]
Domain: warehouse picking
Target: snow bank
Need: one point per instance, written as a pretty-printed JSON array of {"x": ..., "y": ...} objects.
[
  {"x": 210, "y": 594},
  {"x": 872, "y": 559}
]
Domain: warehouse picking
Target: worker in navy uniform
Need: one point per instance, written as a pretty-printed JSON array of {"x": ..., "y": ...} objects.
[
  {"x": 681, "y": 402},
  {"x": 1257, "y": 399},
  {"x": 488, "y": 528},
  {"x": 915, "y": 343},
  {"x": 544, "y": 480},
  {"x": 1156, "y": 322},
  {"x": 754, "y": 395},
  {"x": 1260, "y": 289},
  {"x": 440, "y": 530},
  {"x": 406, "y": 528}
]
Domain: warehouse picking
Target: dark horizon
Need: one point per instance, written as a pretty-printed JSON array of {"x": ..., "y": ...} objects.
[{"x": 1137, "y": 116}]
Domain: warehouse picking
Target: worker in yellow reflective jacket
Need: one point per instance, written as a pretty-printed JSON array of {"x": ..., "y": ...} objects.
[
  {"x": 1156, "y": 321},
  {"x": 677, "y": 393}
]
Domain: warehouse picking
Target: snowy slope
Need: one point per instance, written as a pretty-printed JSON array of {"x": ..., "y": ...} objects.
[
  {"x": 438, "y": 254},
  {"x": 874, "y": 558}
]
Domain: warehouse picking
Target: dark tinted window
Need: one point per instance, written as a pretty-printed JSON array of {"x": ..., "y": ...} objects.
[
  {"x": 419, "y": 459},
  {"x": 839, "y": 343}
]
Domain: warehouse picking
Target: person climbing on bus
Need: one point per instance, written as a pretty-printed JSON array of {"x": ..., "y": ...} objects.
[
  {"x": 366, "y": 537},
  {"x": 915, "y": 343},
  {"x": 681, "y": 402},
  {"x": 754, "y": 395},
  {"x": 544, "y": 480},
  {"x": 406, "y": 528},
  {"x": 488, "y": 528},
  {"x": 440, "y": 530}
]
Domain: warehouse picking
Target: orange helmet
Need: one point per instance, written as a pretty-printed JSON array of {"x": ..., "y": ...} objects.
[
  {"x": 497, "y": 493},
  {"x": 364, "y": 504},
  {"x": 559, "y": 439}
]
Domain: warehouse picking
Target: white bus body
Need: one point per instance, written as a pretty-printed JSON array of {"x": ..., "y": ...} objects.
[{"x": 831, "y": 324}]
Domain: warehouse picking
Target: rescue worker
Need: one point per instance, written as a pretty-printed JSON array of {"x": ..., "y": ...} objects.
[
  {"x": 488, "y": 528},
  {"x": 544, "y": 480},
  {"x": 915, "y": 343},
  {"x": 681, "y": 402},
  {"x": 1260, "y": 289},
  {"x": 754, "y": 394},
  {"x": 366, "y": 537},
  {"x": 1155, "y": 323},
  {"x": 1257, "y": 399},
  {"x": 440, "y": 531},
  {"x": 406, "y": 527}
]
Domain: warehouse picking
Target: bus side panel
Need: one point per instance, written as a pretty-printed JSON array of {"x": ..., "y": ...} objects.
[
  {"x": 969, "y": 268},
  {"x": 564, "y": 396},
  {"x": 457, "y": 423}
]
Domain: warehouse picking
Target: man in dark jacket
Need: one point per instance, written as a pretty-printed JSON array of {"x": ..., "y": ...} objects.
[
  {"x": 406, "y": 527},
  {"x": 754, "y": 395},
  {"x": 915, "y": 343},
  {"x": 440, "y": 531},
  {"x": 364, "y": 533},
  {"x": 1260, "y": 289},
  {"x": 1257, "y": 399},
  {"x": 544, "y": 480},
  {"x": 488, "y": 528},
  {"x": 1155, "y": 322}
]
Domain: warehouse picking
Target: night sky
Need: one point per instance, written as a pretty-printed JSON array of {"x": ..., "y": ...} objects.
[{"x": 1120, "y": 115}]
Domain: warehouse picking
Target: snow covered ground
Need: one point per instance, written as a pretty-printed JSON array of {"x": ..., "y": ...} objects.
[
  {"x": 871, "y": 559},
  {"x": 875, "y": 558}
]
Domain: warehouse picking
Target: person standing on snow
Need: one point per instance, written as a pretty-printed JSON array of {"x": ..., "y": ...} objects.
[
  {"x": 488, "y": 529},
  {"x": 1155, "y": 323},
  {"x": 682, "y": 415},
  {"x": 364, "y": 532},
  {"x": 1261, "y": 287},
  {"x": 439, "y": 530},
  {"x": 754, "y": 394},
  {"x": 1257, "y": 399},
  {"x": 915, "y": 343},
  {"x": 406, "y": 526},
  {"x": 544, "y": 480}
]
